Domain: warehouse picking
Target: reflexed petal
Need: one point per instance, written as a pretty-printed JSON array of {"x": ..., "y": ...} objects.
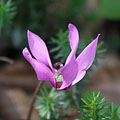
[
  {"x": 69, "y": 73},
  {"x": 74, "y": 40},
  {"x": 42, "y": 71},
  {"x": 39, "y": 49},
  {"x": 85, "y": 59}
]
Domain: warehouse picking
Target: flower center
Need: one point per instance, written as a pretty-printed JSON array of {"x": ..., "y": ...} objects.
[{"x": 58, "y": 76}]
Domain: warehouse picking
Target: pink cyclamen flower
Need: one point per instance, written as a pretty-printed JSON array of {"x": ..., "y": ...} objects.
[{"x": 73, "y": 70}]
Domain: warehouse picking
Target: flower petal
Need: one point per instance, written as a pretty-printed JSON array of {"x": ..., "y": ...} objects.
[
  {"x": 80, "y": 75},
  {"x": 85, "y": 59},
  {"x": 39, "y": 49},
  {"x": 69, "y": 73},
  {"x": 74, "y": 40},
  {"x": 42, "y": 71}
]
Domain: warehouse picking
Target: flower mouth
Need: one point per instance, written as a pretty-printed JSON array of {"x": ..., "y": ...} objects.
[{"x": 58, "y": 76}]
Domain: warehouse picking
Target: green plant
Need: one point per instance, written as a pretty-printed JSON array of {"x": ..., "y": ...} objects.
[
  {"x": 96, "y": 108},
  {"x": 52, "y": 105},
  {"x": 62, "y": 50},
  {"x": 62, "y": 44},
  {"x": 114, "y": 113},
  {"x": 7, "y": 12},
  {"x": 62, "y": 47}
]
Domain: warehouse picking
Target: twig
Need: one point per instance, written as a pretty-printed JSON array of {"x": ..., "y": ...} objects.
[
  {"x": 6, "y": 59},
  {"x": 34, "y": 98}
]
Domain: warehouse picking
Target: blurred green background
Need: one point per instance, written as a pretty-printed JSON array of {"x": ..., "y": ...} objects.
[{"x": 46, "y": 17}]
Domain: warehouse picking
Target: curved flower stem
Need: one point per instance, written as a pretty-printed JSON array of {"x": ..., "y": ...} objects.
[{"x": 34, "y": 99}]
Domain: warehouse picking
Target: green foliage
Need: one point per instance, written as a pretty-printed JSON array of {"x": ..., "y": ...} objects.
[
  {"x": 55, "y": 105},
  {"x": 113, "y": 112},
  {"x": 62, "y": 50},
  {"x": 109, "y": 9},
  {"x": 7, "y": 12},
  {"x": 96, "y": 108},
  {"x": 62, "y": 47},
  {"x": 52, "y": 104}
]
